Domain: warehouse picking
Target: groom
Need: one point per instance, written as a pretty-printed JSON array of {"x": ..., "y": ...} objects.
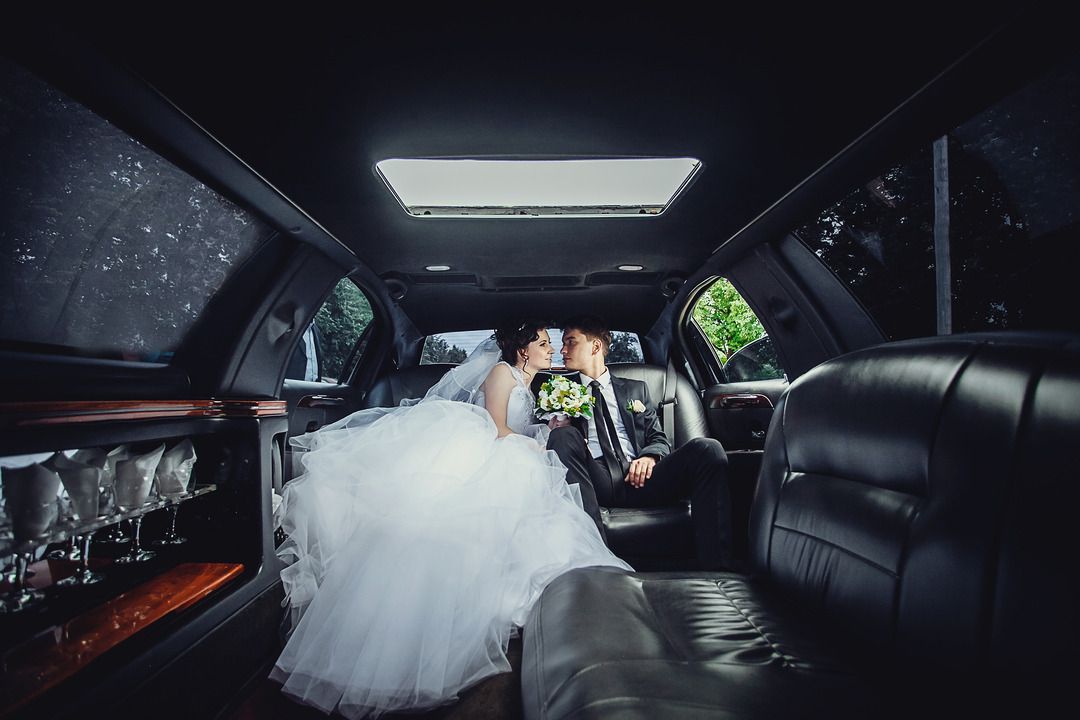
[{"x": 622, "y": 458}]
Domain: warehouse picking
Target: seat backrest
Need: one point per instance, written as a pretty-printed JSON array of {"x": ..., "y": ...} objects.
[
  {"x": 410, "y": 382},
  {"x": 923, "y": 495},
  {"x": 689, "y": 416}
]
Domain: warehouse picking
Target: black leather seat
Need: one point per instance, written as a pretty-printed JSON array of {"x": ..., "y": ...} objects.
[
  {"x": 913, "y": 543},
  {"x": 645, "y": 537},
  {"x": 412, "y": 382},
  {"x": 658, "y": 536}
]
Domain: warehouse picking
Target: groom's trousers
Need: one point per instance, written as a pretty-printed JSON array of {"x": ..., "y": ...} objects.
[{"x": 697, "y": 470}]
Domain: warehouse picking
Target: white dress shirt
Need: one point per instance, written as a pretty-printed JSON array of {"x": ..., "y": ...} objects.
[
  {"x": 311, "y": 368},
  {"x": 608, "y": 393}
]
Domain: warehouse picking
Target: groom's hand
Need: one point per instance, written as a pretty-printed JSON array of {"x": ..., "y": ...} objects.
[
  {"x": 640, "y": 470},
  {"x": 557, "y": 422}
]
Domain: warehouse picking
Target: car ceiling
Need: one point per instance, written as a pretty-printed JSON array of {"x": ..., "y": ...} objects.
[{"x": 762, "y": 102}]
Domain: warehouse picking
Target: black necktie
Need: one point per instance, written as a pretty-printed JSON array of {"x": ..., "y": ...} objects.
[{"x": 614, "y": 458}]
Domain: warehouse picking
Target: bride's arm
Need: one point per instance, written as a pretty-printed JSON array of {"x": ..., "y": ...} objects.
[{"x": 497, "y": 389}]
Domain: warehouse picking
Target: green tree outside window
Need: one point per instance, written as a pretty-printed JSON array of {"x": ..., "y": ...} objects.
[
  {"x": 341, "y": 320},
  {"x": 726, "y": 319}
]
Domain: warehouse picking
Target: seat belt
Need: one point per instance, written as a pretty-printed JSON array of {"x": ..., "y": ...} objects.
[{"x": 668, "y": 403}]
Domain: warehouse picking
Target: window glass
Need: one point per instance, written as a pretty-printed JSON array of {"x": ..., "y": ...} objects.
[
  {"x": 625, "y": 348},
  {"x": 454, "y": 347},
  {"x": 1013, "y": 197},
  {"x": 108, "y": 249},
  {"x": 754, "y": 361},
  {"x": 451, "y": 347},
  {"x": 736, "y": 335},
  {"x": 879, "y": 240},
  {"x": 442, "y": 187},
  {"x": 1014, "y": 189},
  {"x": 326, "y": 346}
]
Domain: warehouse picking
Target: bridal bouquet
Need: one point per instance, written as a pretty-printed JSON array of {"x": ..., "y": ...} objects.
[{"x": 559, "y": 396}]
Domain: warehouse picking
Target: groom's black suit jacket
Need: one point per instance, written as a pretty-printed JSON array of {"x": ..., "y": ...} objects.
[{"x": 644, "y": 429}]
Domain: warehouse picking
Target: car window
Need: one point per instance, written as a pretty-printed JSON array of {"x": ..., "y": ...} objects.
[
  {"x": 754, "y": 361},
  {"x": 109, "y": 250},
  {"x": 1011, "y": 187},
  {"x": 451, "y": 347},
  {"x": 454, "y": 347},
  {"x": 735, "y": 335},
  {"x": 325, "y": 351}
]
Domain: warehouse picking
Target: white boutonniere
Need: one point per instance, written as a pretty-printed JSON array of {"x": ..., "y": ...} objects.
[{"x": 635, "y": 406}]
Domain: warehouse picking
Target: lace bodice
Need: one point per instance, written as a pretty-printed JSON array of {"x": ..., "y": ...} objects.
[{"x": 520, "y": 406}]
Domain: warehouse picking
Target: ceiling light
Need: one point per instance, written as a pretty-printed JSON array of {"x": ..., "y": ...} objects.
[
  {"x": 631, "y": 268},
  {"x": 437, "y": 268}
]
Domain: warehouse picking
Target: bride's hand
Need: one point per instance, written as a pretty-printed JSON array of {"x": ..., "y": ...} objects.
[{"x": 558, "y": 422}]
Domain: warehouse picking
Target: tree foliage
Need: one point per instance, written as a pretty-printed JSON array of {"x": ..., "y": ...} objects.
[
  {"x": 438, "y": 350},
  {"x": 341, "y": 320},
  {"x": 624, "y": 348},
  {"x": 727, "y": 320},
  {"x": 104, "y": 245}
]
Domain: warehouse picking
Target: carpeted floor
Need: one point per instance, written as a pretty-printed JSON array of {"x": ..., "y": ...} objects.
[{"x": 496, "y": 698}]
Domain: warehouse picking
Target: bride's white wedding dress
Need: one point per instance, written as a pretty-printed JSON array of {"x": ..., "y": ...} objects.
[{"x": 417, "y": 541}]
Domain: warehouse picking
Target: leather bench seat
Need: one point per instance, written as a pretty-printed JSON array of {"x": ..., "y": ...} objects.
[
  {"x": 912, "y": 544},
  {"x": 644, "y": 537},
  {"x": 603, "y": 643}
]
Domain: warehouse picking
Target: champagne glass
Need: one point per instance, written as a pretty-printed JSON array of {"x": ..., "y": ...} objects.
[
  {"x": 65, "y": 514},
  {"x": 68, "y": 513},
  {"x": 172, "y": 478},
  {"x": 118, "y": 454},
  {"x": 30, "y": 500},
  {"x": 132, "y": 487},
  {"x": 82, "y": 482}
]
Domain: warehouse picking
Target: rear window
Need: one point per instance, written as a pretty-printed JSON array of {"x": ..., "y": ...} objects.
[
  {"x": 454, "y": 347},
  {"x": 1011, "y": 184},
  {"x": 108, "y": 249}
]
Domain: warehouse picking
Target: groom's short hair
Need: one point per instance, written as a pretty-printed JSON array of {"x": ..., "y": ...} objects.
[{"x": 590, "y": 326}]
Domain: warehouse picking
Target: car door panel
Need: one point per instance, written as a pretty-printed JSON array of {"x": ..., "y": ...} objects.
[{"x": 739, "y": 413}]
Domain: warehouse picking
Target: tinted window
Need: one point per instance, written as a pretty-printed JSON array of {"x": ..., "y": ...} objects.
[
  {"x": 625, "y": 348},
  {"x": 756, "y": 361},
  {"x": 1013, "y": 194},
  {"x": 879, "y": 240},
  {"x": 1014, "y": 187},
  {"x": 454, "y": 347},
  {"x": 107, "y": 248},
  {"x": 325, "y": 350}
]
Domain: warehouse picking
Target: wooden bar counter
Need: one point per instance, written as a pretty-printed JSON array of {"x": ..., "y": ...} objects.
[{"x": 57, "y": 653}]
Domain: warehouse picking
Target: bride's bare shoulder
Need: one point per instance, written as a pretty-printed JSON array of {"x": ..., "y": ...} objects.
[{"x": 500, "y": 374}]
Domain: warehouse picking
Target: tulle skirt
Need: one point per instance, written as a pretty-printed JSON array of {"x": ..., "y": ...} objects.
[{"x": 417, "y": 541}]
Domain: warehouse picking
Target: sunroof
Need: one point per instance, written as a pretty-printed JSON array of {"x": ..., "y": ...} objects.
[{"x": 639, "y": 187}]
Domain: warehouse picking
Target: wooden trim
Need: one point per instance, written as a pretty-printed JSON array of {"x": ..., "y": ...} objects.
[
  {"x": 35, "y": 414},
  {"x": 57, "y": 653},
  {"x": 253, "y": 408}
]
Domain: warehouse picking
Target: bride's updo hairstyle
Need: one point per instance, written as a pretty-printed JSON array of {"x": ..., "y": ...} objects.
[{"x": 517, "y": 337}]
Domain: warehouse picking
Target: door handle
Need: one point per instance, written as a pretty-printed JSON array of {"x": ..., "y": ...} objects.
[{"x": 732, "y": 401}]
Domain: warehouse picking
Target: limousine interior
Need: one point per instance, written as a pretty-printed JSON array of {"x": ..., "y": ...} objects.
[{"x": 837, "y": 244}]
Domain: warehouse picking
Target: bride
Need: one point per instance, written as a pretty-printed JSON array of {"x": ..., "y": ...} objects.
[{"x": 420, "y": 536}]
